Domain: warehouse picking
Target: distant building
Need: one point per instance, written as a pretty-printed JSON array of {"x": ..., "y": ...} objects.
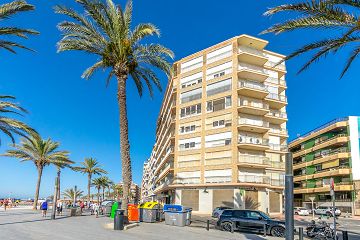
[
  {"x": 329, "y": 151},
  {"x": 221, "y": 132}
]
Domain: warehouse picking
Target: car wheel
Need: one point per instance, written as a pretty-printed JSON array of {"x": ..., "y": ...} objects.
[
  {"x": 329, "y": 214},
  {"x": 226, "y": 226},
  {"x": 278, "y": 231}
]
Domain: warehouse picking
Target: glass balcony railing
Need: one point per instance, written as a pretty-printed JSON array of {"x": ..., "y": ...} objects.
[
  {"x": 278, "y": 114},
  {"x": 248, "y": 103},
  {"x": 245, "y": 121},
  {"x": 253, "y": 140},
  {"x": 281, "y": 131},
  {"x": 254, "y": 179},
  {"x": 278, "y": 147},
  {"x": 277, "y": 97},
  {"x": 245, "y": 66},
  {"x": 243, "y": 49},
  {"x": 252, "y": 85},
  {"x": 253, "y": 159}
]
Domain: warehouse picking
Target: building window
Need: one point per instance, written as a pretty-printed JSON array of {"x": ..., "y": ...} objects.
[
  {"x": 218, "y": 87},
  {"x": 190, "y": 111},
  {"x": 187, "y": 129},
  {"x": 218, "y": 104},
  {"x": 191, "y": 95}
]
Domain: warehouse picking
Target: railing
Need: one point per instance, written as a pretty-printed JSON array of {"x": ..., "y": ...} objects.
[
  {"x": 281, "y": 131},
  {"x": 253, "y": 140},
  {"x": 277, "y": 97},
  {"x": 165, "y": 168},
  {"x": 243, "y": 49},
  {"x": 248, "y": 103},
  {"x": 254, "y": 179},
  {"x": 252, "y": 84},
  {"x": 331, "y": 138},
  {"x": 191, "y": 98},
  {"x": 218, "y": 179},
  {"x": 245, "y": 66},
  {"x": 251, "y": 122},
  {"x": 279, "y": 114},
  {"x": 253, "y": 159},
  {"x": 332, "y": 152},
  {"x": 282, "y": 82},
  {"x": 278, "y": 147},
  {"x": 218, "y": 57},
  {"x": 276, "y": 65}
]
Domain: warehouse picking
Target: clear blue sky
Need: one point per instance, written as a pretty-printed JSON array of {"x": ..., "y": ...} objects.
[{"x": 83, "y": 115}]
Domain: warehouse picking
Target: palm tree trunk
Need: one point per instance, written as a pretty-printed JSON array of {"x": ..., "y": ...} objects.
[
  {"x": 124, "y": 141},
  {"x": 36, "y": 198},
  {"x": 103, "y": 193},
  {"x": 89, "y": 184},
  {"x": 58, "y": 184},
  {"x": 98, "y": 195}
]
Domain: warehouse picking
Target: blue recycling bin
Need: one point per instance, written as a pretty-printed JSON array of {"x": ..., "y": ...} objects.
[{"x": 177, "y": 215}]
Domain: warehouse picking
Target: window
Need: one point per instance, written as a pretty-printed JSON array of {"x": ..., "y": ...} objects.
[
  {"x": 219, "y": 71},
  {"x": 190, "y": 143},
  {"x": 191, "y": 110},
  {"x": 191, "y": 80},
  {"x": 218, "y": 104},
  {"x": 219, "y": 123},
  {"x": 216, "y": 140},
  {"x": 253, "y": 215},
  {"x": 239, "y": 214},
  {"x": 187, "y": 129},
  {"x": 218, "y": 87},
  {"x": 191, "y": 95}
]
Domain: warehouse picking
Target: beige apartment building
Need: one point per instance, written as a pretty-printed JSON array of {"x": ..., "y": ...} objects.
[{"x": 221, "y": 133}]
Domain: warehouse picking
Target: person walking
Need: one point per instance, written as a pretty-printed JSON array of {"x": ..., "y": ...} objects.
[
  {"x": 6, "y": 202},
  {"x": 44, "y": 207},
  {"x": 96, "y": 209},
  {"x": 59, "y": 207}
]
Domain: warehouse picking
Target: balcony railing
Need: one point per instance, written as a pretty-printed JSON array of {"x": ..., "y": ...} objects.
[
  {"x": 254, "y": 179},
  {"x": 278, "y": 147},
  {"x": 332, "y": 152},
  {"x": 278, "y": 114},
  {"x": 243, "y": 49},
  {"x": 248, "y": 103},
  {"x": 277, "y": 182},
  {"x": 253, "y": 140},
  {"x": 218, "y": 179},
  {"x": 245, "y": 121},
  {"x": 275, "y": 65},
  {"x": 253, "y": 159},
  {"x": 252, "y": 85},
  {"x": 277, "y": 97},
  {"x": 278, "y": 165},
  {"x": 281, "y": 131},
  {"x": 245, "y": 66}
]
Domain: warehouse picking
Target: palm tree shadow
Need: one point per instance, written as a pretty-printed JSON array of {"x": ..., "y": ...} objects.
[
  {"x": 239, "y": 201},
  {"x": 30, "y": 221}
]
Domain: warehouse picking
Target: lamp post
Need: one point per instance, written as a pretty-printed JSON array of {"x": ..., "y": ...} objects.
[
  {"x": 289, "y": 197},
  {"x": 53, "y": 213},
  {"x": 312, "y": 207}
]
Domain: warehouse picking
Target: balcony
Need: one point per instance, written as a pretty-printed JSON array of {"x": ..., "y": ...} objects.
[
  {"x": 167, "y": 169},
  {"x": 280, "y": 68},
  {"x": 282, "y": 132},
  {"x": 253, "y": 143},
  {"x": 277, "y": 165},
  {"x": 276, "y": 101},
  {"x": 248, "y": 71},
  {"x": 252, "y": 56},
  {"x": 256, "y": 179},
  {"x": 253, "y": 161},
  {"x": 253, "y": 108},
  {"x": 339, "y": 187},
  {"x": 277, "y": 182},
  {"x": 250, "y": 125},
  {"x": 278, "y": 147},
  {"x": 336, "y": 171},
  {"x": 276, "y": 117},
  {"x": 252, "y": 89},
  {"x": 217, "y": 179}
]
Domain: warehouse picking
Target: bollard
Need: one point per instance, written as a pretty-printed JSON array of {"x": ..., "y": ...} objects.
[
  {"x": 232, "y": 227},
  {"x": 119, "y": 220},
  {"x": 301, "y": 233},
  {"x": 345, "y": 235},
  {"x": 265, "y": 230},
  {"x": 208, "y": 225}
]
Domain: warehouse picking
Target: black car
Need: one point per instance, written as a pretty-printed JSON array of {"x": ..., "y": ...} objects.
[{"x": 250, "y": 220}]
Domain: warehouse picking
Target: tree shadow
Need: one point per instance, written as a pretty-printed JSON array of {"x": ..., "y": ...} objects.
[{"x": 35, "y": 220}]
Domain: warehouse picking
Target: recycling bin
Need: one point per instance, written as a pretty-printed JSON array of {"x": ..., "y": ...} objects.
[
  {"x": 177, "y": 215},
  {"x": 133, "y": 212},
  {"x": 150, "y": 212},
  {"x": 114, "y": 207}
]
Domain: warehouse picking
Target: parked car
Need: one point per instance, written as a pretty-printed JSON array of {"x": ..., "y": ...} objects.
[
  {"x": 301, "y": 211},
  {"x": 250, "y": 220},
  {"x": 327, "y": 211},
  {"x": 217, "y": 211}
]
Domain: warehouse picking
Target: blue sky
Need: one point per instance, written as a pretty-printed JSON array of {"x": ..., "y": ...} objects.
[{"x": 83, "y": 115}]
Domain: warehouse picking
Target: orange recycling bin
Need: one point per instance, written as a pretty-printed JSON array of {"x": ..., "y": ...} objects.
[{"x": 133, "y": 212}]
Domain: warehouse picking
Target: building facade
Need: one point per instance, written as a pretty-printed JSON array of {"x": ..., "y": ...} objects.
[
  {"x": 221, "y": 133},
  {"x": 329, "y": 151}
]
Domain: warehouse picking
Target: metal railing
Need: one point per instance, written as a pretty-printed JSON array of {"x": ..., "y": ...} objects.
[
  {"x": 245, "y": 121},
  {"x": 253, "y": 140},
  {"x": 332, "y": 152},
  {"x": 252, "y": 85},
  {"x": 193, "y": 180}
]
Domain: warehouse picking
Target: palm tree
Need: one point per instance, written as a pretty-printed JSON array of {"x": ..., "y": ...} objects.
[
  {"x": 59, "y": 166},
  {"x": 10, "y": 126},
  {"x": 7, "y": 10},
  {"x": 118, "y": 191},
  {"x": 326, "y": 15},
  {"x": 98, "y": 183},
  {"x": 39, "y": 151},
  {"x": 105, "y": 31},
  {"x": 90, "y": 167},
  {"x": 71, "y": 194},
  {"x": 105, "y": 183}
]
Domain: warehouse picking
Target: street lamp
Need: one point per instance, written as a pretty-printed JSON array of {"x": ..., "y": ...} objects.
[
  {"x": 289, "y": 197},
  {"x": 312, "y": 207}
]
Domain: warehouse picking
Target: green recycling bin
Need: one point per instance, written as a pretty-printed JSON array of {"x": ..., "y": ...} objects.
[{"x": 114, "y": 207}]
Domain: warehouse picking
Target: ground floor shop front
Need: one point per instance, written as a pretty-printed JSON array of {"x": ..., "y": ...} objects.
[{"x": 204, "y": 199}]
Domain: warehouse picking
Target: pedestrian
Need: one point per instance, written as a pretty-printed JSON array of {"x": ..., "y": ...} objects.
[
  {"x": 82, "y": 206},
  {"x": 5, "y": 204},
  {"x": 59, "y": 208},
  {"x": 44, "y": 207},
  {"x": 96, "y": 209}
]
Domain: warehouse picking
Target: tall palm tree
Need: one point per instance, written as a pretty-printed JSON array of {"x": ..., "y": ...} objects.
[
  {"x": 59, "y": 166},
  {"x": 98, "y": 183},
  {"x": 90, "y": 167},
  {"x": 338, "y": 15},
  {"x": 11, "y": 126},
  {"x": 105, "y": 31},
  {"x": 70, "y": 193},
  {"x": 105, "y": 183},
  {"x": 39, "y": 151},
  {"x": 118, "y": 191},
  {"x": 8, "y": 10}
]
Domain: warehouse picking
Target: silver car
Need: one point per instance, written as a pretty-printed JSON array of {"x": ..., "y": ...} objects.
[{"x": 328, "y": 211}]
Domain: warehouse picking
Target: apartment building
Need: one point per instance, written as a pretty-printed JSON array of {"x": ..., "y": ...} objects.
[
  {"x": 221, "y": 133},
  {"x": 331, "y": 150}
]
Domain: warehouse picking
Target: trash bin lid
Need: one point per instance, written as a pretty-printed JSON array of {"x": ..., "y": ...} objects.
[
  {"x": 173, "y": 208},
  {"x": 150, "y": 205},
  {"x": 132, "y": 206}
]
